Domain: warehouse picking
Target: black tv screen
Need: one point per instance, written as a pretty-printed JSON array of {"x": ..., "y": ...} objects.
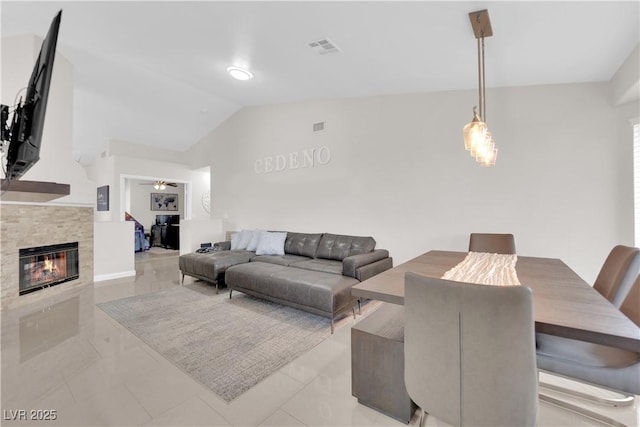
[{"x": 28, "y": 118}]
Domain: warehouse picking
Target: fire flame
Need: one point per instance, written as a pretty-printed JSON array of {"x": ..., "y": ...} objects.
[{"x": 48, "y": 264}]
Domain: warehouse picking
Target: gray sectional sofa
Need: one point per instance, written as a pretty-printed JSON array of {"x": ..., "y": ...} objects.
[{"x": 314, "y": 272}]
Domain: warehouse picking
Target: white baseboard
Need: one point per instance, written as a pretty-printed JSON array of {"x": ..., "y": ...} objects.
[{"x": 111, "y": 276}]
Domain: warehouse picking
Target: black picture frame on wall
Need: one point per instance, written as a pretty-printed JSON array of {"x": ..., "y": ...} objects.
[
  {"x": 102, "y": 201},
  {"x": 164, "y": 202}
]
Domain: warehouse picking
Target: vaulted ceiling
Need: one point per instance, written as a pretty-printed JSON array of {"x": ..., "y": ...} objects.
[{"x": 154, "y": 73}]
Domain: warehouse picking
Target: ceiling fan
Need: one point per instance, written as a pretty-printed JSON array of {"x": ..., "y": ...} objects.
[{"x": 160, "y": 185}]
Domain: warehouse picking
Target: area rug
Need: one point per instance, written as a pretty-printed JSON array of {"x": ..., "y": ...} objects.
[{"x": 228, "y": 345}]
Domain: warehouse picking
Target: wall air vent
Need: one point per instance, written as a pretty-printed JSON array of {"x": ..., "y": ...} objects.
[{"x": 324, "y": 47}]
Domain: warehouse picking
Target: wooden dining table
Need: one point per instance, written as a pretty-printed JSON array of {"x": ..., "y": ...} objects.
[{"x": 563, "y": 303}]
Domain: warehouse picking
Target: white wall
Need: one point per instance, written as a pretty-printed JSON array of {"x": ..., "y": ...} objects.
[
  {"x": 56, "y": 163},
  {"x": 625, "y": 84},
  {"x": 119, "y": 148},
  {"x": 113, "y": 250},
  {"x": 399, "y": 173},
  {"x": 103, "y": 174},
  {"x": 200, "y": 185},
  {"x": 195, "y": 232}
]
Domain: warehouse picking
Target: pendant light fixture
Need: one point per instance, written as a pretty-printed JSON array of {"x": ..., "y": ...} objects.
[{"x": 477, "y": 138}]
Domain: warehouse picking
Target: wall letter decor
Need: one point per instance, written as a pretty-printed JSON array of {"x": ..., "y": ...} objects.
[{"x": 312, "y": 157}]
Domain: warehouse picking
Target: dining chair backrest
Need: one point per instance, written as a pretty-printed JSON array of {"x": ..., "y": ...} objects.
[
  {"x": 631, "y": 304},
  {"x": 618, "y": 273},
  {"x": 595, "y": 364},
  {"x": 492, "y": 243},
  {"x": 470, "y": 354}
]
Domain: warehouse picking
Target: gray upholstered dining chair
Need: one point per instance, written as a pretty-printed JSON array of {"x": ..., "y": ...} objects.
[
  {"x": 492, "y": 243},
  {"x": 631, "y": 304},
  {"x": 607, "y": 367},
  {"x": 470, "y": 352},
  {"x": 618, "y": 273}
]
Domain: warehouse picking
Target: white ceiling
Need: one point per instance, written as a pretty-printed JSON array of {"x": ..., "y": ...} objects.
[{"x": 154, "y": 73}]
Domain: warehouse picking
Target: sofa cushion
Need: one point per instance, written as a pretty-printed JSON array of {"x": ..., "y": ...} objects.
[
  {"x": 322, "y": 292},
  {"x": 325, "y": 265},
  {"x": 303, "y": 244},
  {"x": 271, "y": 243},
  {"x": 212, "y": 265},
  {"x": 285, "y": 259},
  {"x": 338, "y": 246}
]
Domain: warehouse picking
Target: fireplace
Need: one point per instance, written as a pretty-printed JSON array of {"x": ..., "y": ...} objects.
[{"x": 46, "y": 266}]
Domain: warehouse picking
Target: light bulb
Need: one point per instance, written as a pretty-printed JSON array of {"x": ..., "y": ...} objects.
[
  {"x": 486, "y": 156},
  {"x": 474, "y": 133},
  {"x": 490, "y": 158}
]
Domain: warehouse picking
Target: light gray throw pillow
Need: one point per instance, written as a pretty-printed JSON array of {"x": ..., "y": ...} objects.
[
  {"x": 235, "y": 239},
  {"x": 271, "y": 243},
  {"x": 253, "y": 242},
  {"x": 242, "y": 240}
]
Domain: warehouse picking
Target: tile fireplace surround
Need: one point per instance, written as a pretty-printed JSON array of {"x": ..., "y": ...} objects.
[{"x": 24, "y": 226}]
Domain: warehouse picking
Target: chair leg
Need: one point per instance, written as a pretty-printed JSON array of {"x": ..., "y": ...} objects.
[
  {"x": 182, "y": 283},
  {"x": 626, "y": 400},
  {"x": 579, "y": 410},
  {"x": 332, "y": 326},
  {"x": 354, "y": 311},
  {"x": 359, "y": 306},
  {"x": 230, "y": 292},
  {"x": 423, "y": 418}
]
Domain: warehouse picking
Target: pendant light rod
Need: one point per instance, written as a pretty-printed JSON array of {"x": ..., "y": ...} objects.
[
  {"x": 480, "y": 94},
  {"x": 484, "y": 94},
  {"x": 481, "y": 25}
]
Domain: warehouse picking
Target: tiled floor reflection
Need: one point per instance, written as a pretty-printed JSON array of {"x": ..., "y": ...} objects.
[{"x": 69, "y": 357}]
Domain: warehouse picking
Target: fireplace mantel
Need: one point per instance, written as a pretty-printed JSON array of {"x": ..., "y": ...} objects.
[{"x": 33, "y": 191}]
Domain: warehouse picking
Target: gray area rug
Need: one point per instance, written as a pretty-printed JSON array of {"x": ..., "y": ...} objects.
[{"x": 228, "y": 345}]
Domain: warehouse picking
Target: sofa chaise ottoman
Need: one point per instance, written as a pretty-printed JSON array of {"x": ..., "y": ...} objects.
[{"x": 325, "y": 294}]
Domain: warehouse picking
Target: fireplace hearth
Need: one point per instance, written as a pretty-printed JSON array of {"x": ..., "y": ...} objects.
[{"x": 46, "y": 266}]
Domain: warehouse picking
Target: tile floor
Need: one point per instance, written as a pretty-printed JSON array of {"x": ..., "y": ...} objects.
[{"x": 69, "y": 357}]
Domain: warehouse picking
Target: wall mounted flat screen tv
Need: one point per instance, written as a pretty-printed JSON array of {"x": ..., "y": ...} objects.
[{"x": 25, "y": 133}]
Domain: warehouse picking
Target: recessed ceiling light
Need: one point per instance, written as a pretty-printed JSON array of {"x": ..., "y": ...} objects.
[{"x": 239, "y": 73}]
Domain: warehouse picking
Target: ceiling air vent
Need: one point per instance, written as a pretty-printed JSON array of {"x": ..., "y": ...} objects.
[
  {"x": 324, "y": 47},
  {"x": 317, "y": 127}
]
